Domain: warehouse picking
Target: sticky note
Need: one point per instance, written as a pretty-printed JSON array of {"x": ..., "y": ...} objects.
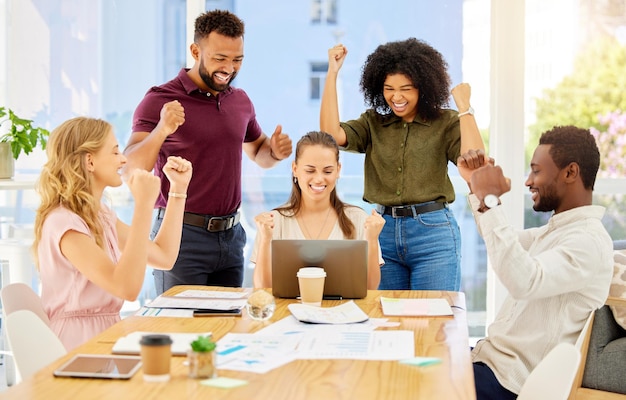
[
  {"x": 224, "y": 383},
  {"x": 421, "y": 361}
]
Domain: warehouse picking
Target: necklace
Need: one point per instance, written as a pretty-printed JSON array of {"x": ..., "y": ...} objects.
[{"x": 321, "y": 229}]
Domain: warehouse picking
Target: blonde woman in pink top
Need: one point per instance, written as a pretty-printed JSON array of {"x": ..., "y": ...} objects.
[{"x": 89, "y": 261}]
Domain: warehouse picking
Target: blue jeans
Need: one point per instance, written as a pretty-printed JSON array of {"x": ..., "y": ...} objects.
[
  {"x": 205, "y": 258},
  {"x": 421, "y": 252}
]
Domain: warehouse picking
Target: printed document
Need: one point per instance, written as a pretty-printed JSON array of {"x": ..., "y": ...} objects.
[{"x": 346, "y": 313}]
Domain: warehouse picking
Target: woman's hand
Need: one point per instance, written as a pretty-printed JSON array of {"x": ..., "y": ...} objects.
[
  {"x": 336, "y": 56},
  {"x": 144, "y": 187},
  {"x": 461, "y": 94},
  {"x": 265, "y": 225},
  {"x": 373, "y": 226},
  {"x": 178, "y": 172},
  {"x": 470, "y": 161}
]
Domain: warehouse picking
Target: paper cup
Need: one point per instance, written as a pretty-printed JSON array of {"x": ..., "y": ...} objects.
[
  {"x": 311, "y": 282},
  {"x": 156, "y": 353}
]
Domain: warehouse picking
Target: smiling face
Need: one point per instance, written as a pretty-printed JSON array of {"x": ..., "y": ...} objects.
[
  {"x": 401, "y": 96},
  {"x": 544, "y": 181},
  {"x": 317, "y": 171},
  {"x": 218, "y": 59},
  {"x": 106, "y": 164}
]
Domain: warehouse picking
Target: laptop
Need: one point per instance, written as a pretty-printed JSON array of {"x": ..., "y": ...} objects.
[{"x": 345, "y": 263}]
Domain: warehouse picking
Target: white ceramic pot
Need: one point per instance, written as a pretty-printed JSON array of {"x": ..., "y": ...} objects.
[{"x": 7, "y": 163}]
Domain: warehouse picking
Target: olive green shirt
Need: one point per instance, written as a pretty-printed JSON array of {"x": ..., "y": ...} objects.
[{"x": 405, "y": 163}]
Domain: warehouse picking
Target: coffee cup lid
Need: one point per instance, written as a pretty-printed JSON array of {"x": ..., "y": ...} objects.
[
  {"x": 311, "y": 272},
  {"x": 155, "y": 340}
]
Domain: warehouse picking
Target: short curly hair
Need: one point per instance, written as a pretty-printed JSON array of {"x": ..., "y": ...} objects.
[
  {"x": 571, "y": 144},
  {"x": 220, "y": 21},
  {"x": 420, "y": 62}
]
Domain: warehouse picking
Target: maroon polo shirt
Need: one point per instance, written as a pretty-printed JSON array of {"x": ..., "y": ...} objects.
[{"x": 211, "y": 138}]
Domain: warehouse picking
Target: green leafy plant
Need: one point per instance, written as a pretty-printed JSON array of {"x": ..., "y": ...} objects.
[
  {"x": 22, "y": 135},
  {"x": 203, "y": 344}
]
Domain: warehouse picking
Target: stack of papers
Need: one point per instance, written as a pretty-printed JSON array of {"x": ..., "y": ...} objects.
[
  {"x": 415, "y": 307},
  {"x": 201, "y": 300},
  {"x": 346, "y": 313}
]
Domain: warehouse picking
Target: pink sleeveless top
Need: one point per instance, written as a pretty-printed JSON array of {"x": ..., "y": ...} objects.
[{"x": 77, "y": 308}]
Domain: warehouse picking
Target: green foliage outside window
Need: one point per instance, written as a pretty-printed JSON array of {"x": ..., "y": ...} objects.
[{"x": 594, "y": 89}]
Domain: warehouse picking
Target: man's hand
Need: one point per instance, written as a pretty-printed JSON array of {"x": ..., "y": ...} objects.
[
  {"x": 280, "y": 144},
  {"x": 172, "y": 116},
  {"x": 489, "y": 179}
]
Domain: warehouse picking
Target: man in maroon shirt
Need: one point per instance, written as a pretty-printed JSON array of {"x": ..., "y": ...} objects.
[{"x": 199, "y": 116}]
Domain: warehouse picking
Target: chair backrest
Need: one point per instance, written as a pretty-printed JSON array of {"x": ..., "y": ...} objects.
[
  {"x": 20, "y": 296},
  {"x": 33, "y": 343},
  {"x": 580, "y": 342},
  {"x": 552, "y": 378}
]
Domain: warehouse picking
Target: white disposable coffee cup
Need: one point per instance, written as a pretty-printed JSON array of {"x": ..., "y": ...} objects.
[{"x": 311, "y": 282}]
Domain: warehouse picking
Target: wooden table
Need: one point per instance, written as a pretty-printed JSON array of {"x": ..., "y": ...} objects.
[{"x": 443, "y": 337}]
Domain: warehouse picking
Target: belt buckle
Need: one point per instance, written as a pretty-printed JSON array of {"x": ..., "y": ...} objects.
[
  {"x": 218, "y": 224},
  {"x": 394, "y": 211}
]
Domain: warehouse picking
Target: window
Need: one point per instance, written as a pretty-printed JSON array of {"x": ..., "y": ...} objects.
[
  {"x": 324, "y": 11},
  {"x": 317, "y": 79}
]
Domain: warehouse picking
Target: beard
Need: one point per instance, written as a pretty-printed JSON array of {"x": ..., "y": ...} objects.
[
  {"x": 211, "y": 82},
  {"x": 548, "y": 200}
]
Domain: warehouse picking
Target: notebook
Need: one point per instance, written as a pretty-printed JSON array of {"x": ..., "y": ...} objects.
[
  {"x": 345, "y": 263},
  {"x": 415, "y": 307},
  {"x": 181, "y": 342}
]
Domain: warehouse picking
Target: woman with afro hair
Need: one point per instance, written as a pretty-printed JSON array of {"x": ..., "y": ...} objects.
[{"x": 408, "y": 137}]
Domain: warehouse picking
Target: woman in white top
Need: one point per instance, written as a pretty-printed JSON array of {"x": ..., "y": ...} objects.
[{"x": 314, "y": 211}]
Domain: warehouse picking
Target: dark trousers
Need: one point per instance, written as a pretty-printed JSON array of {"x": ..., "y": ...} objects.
[
  {"x": 205, "y": 258},
  {"x": 487, "y": 386}
]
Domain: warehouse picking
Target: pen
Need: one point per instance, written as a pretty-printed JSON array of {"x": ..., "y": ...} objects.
[
  {"x": 332, "y": 297},
  {"x": 216, "y": 313}
]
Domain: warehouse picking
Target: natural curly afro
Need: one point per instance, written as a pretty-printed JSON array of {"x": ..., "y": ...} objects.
[
  {"x": 420, "y": 62},
  {"x": 221, "y": 21}
]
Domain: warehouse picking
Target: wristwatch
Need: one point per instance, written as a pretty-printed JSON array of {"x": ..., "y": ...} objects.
[
  {"x": 469, "y": 111},
  {"x": 491, "y": 201}
]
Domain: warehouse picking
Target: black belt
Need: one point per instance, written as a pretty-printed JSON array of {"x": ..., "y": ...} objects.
[
  {"x": 410, "y": 210},
  {"x": 208, "y": 222}
]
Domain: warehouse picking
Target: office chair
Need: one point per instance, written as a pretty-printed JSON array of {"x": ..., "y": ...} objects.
[
  {"x": 553, "y": 377},
  {"x": 32, "y": 341}
]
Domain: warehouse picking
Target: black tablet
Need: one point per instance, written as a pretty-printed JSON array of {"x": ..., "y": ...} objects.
[{"x": 100, "y": 366}]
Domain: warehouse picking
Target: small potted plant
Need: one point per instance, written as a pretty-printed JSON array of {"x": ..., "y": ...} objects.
[
  {"x": 201, "y": 358},
  {"x": 17, "y": 135}
]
